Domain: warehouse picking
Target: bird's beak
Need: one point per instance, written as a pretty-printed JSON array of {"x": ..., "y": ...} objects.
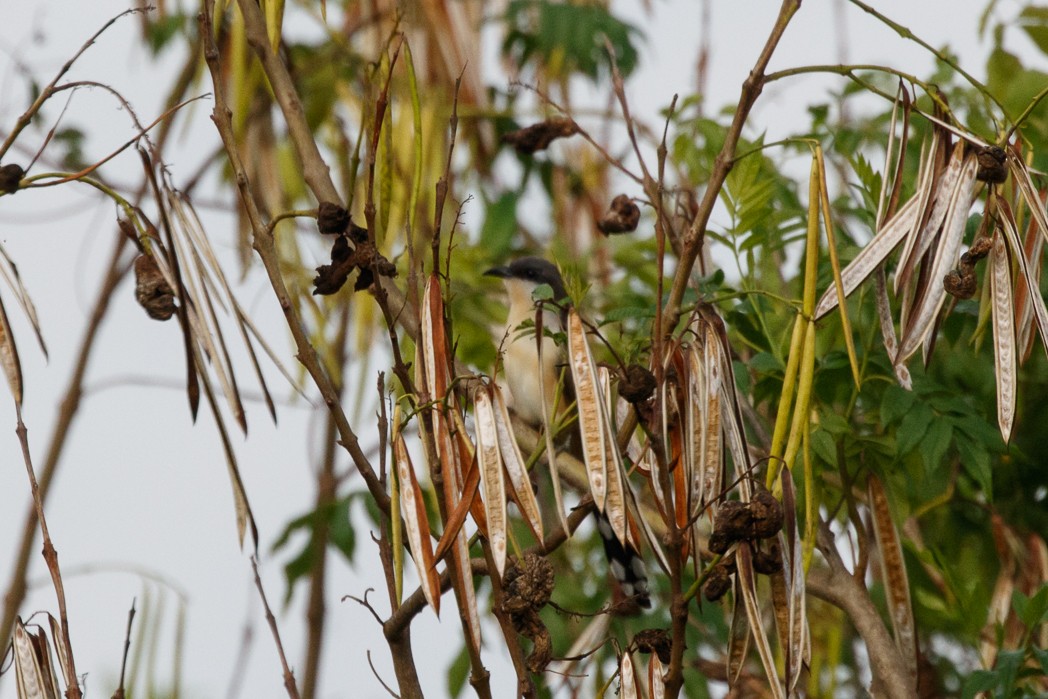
[{"x": 500, "y": 272}]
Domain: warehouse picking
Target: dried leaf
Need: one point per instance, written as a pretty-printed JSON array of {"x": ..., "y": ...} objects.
[
  {"x": 457, "y": 516},
  {"x": 627, "y": 680},
  {"x": 747, "y": 587},
  {"x": 547, "y": 425},
  {"x": 416, "y": 521},
  {"x": 1004, "y": 348},
  {"x": 433, "y": 340},
  {"x": 656, "y": 681},
  {"x": 60, "y": 649},
  {"x": 1028, "y": 191},
  {"x": 738, "y": 637},
  {"x": 592, "y": 423},
  {"x": 959, "y": 201},
  {"x": 793, "y": 560},
  {"x": 462, "y": 576},
  {"x": 207, "y": 331},
  {"x": 492, "y": 484},
  {"x": 721, "y": 375},
  {"x": 1040, "y": 312},
  {"x": 615, "y": 503},
  {"x": 34, "y": 671},
  {"x": 516, "y": 467},
  {"x": 933, "y": 178},
  {"x": 870, "y": 257},
  {"x": 896, "y": 582},
  {"x": 9, "y": 271},
  {"x": 9, "y": 356},
  {"x": 1024, "y": 321},
  {"x": 244, "y": 517}
]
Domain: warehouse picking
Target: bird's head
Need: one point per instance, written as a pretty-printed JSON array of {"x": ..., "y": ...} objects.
[{"x": 524, "y": 275}]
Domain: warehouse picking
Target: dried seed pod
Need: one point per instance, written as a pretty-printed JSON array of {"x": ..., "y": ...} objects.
[
  {"x": 10, "y": 177},
  {"x": 768, "y": 562},
  {"x": 655, "y": 641},
  {"x": 732, "y": 524},
  {"x": 622, "y": 217},
  {"x": 992, "y": 168},
  {"x": 538, "y": 136},
  {"x": 636, "y": 383},
  {"x": 332, "y": 219},
  {"x": 761, "y": 518},
  {"x": 766, "y": 511},
  {"x": 527, "y": 587},
  {"x": 980, "y": 248},
  {"x": 960, "y": 283},
  {"x": 527, "y": 584},
  {"x": 718, "y": 582},
  {"x": 151, "y": 289}
]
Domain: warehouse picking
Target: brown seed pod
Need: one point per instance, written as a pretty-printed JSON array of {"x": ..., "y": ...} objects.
[
  {"x": 151, "y": 289},
  {"x": 332, "y": 219},
  {"x": 766, "y": 511},
  {"x": 527, "y": 587},
  {"x": 10, "y": 177},
  {"x": 655, "y": 641},
  {"x": 636, "y": 383},
  {"x": 960, "y": 283},
  {"x": 992, "y": 168},
  {"x": 768, "y": 562},
  {"x": 718, "y": 582},
  {"x": 623, "y": 216},
  {"x": 538, "y": 136}
]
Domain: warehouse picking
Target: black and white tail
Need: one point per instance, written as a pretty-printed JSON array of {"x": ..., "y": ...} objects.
[{"x": 626, "y": 565}]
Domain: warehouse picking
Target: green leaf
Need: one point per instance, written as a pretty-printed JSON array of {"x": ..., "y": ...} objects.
[
  {"x": 1031, "y": 610},
  {"x": 935, "y": 443},
  {"x": 1042, "y": 657},
  {"x": 500, "y": 226},
  {"x": 834, "y": 424},
  {"x": 895, "y": 403},
  {"x": 976, "y": 462},
  {"x": 823, "y": 446},
  {"x": 615, "y": 315},
  {"x": 341, "y": 533},
  {"x": 568, "y": 38},
  {"x": 979, "y": 681},
  {"x": 913, "y": 427},
  {"x": 1034, "y": 21},
  {"x": 457, "y": 673},
  {"x": 765, "y": 363}
]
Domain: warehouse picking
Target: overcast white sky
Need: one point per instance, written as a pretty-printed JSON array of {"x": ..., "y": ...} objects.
[{"x": 139, "y": 486}]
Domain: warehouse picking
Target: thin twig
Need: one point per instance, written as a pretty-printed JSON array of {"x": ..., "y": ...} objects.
[
  {"x": 289, "y": 676},
  {"x": 379, "y": 677},
  {"x": 51, "y": 557},
  {"x": 49, "y": 89},
  {"x": 695, "y": 236},
  {"x": 119, "y": 693}
]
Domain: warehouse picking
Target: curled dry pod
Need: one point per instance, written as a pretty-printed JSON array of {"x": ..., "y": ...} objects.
[
  {"x": 10, "y": 177},
  {"x": 152, "y": 291},
  {"x": 538, "y": 136},
  {"x": 993, "y": 167},
  {"x": 622, "y": 217}
]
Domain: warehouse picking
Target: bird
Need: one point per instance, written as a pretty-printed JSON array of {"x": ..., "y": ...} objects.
[{"x": 523, "y": 372}]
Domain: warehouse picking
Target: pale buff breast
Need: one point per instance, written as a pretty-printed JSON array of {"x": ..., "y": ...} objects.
[{"x": 520, "y": 360}]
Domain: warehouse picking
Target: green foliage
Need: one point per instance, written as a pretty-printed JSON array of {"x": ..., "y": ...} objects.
[
  {"x": 568, "y": 38},
  {"x": 1016, "y": 670},
  {"x": 341, "y": 536}
]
